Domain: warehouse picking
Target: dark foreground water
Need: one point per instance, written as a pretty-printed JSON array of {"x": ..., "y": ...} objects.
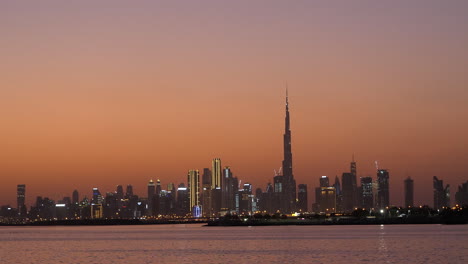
[{"x": 261, "y": 244}]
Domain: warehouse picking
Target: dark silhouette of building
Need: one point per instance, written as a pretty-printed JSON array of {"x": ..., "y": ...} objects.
[
  {"x": 339, "y": 195},
  {"x": 206, "y": 193},
  {"x": 119, "y": 193},
  {"x": 183, "y": 200},
  {"x": 367, "y": 195},
  {"x": 461, "y": 196},
  {"x": 383, "y": 194},
  {"x": 287, "y": 196},
  {"x": 349, "y": 190},
  {"x": 129, "y": 191},
  {"x": 75, "y": 197},
  {"x": 229, "y": 189},
  {"x": 20, "y": 199},
  {"x": 441, "y": 194},
  {"x": 302, "y": 203},
  {"x": 409, "y": 192}
]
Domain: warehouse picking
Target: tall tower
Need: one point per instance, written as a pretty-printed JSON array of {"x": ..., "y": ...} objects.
[
  {"x": 409, "y": 192},
  {"x": 353, "y": 168},
  {"x": 193, "y": 179},
  {"x": 383, "y": 193},
  {"x": 20, "y": 199},
  {"x": 290, "y": 183},
  {"x": 151, "y": 191},
  {"x": 216, "y": 174}
]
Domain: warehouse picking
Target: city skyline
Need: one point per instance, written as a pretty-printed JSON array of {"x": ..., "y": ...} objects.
[
  {"x": 345, "y": 196},
  {"x": 119, "y": 94}
]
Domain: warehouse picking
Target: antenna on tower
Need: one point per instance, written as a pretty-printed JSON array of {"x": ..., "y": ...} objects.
[{"x": 377, "y": 165}]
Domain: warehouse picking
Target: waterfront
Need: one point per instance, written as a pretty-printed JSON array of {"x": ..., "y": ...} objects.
[{"x": 194, "y": 243}]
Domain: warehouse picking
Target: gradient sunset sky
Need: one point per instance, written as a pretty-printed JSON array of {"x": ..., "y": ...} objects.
[{"x": 100, "y": 93}]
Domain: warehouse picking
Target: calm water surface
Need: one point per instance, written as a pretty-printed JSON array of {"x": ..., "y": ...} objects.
[{"x": 198, "y": 244}]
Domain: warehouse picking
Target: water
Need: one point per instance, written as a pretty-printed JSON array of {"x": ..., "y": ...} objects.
[{"x": 261, "y": 244}]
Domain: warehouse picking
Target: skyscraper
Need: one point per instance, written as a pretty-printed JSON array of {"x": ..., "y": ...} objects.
[
  {"x": 303, "y": 204},
  {"x": 151, "y": 192},
  {"x": 206, "y": 192},
  {"x": 216, "y": 174},
  {"x": 349, "y": 190},
  {"x": 20, "y": 199},
  {"x": 193, "y": 179},
  {"x": 287, "y": 196},
  {"x": 119, "y": 192},
  {"x": 324, "y": 181},
  {"x": 441, "y": 194},
  {"x": 367, "y": 195},
  {"x": 409, "y": 192},
  {"x": 129, "y": 191},
  {"x": 383, "y": 194},
  {"x": 75, "y": 197}
]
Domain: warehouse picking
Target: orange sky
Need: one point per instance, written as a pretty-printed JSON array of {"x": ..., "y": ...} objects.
[{"x": 105, "y": 94}]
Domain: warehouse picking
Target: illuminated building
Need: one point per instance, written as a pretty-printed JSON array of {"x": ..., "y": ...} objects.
[
  {"x": 367, "y": 195},
  {"x": 97, "y": 197},
  {"x": 324, "y": 182},
  {"x": 20, "y": 199},
  {"x": 216, "y": 174},
  {"x": 302, "y": 198},
  {"x": 409, "y": 192},
  {"x": 96, "y": 211},
  {"x": 383, "y": 193},
  {"x": 193, "y": 180},
  {"x": 151, "y": 192},
  {"x": 441, "y": 194},
  {"x": 327, "y": 199}
]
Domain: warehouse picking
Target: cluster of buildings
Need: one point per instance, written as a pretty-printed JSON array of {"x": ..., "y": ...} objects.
[{"x": 215, "y": 191}]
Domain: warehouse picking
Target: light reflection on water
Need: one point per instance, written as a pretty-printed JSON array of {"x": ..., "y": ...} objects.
[{"x": 269, "y": 244}]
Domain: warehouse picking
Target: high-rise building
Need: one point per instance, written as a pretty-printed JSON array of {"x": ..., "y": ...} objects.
[
  {"x": 461, "y": 196},
  {"x": 151, "y": 193},
  {"x": 193, "y": 179},
  {"x": 20, "y": 199},
  {"x": 75, "y": 197},
  {"x": 383, "y": 193},
  {"x": 119, "y": 193},
  {"x": 206, "y": 193},
  {"x": 409, "y": 192},
  {"x": 339, "y": 196},
  {"x": 324, "y": 181},
  {"x": 327, "y": 199},
  {"x": 367, "y": 195},
  {"x": 349, "y": 190},
  {"x": 286, "y": 199},
  {"x": 229, "y": 189},
  {"x": 129, "y": 191},
  {"x": 302, "y": 202},
  {"x": 97, "y": 197},
  {"x": 216, "y": 174},
  {"x": 183, "y": 200},
  {"x": 441, "y": 194}
]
